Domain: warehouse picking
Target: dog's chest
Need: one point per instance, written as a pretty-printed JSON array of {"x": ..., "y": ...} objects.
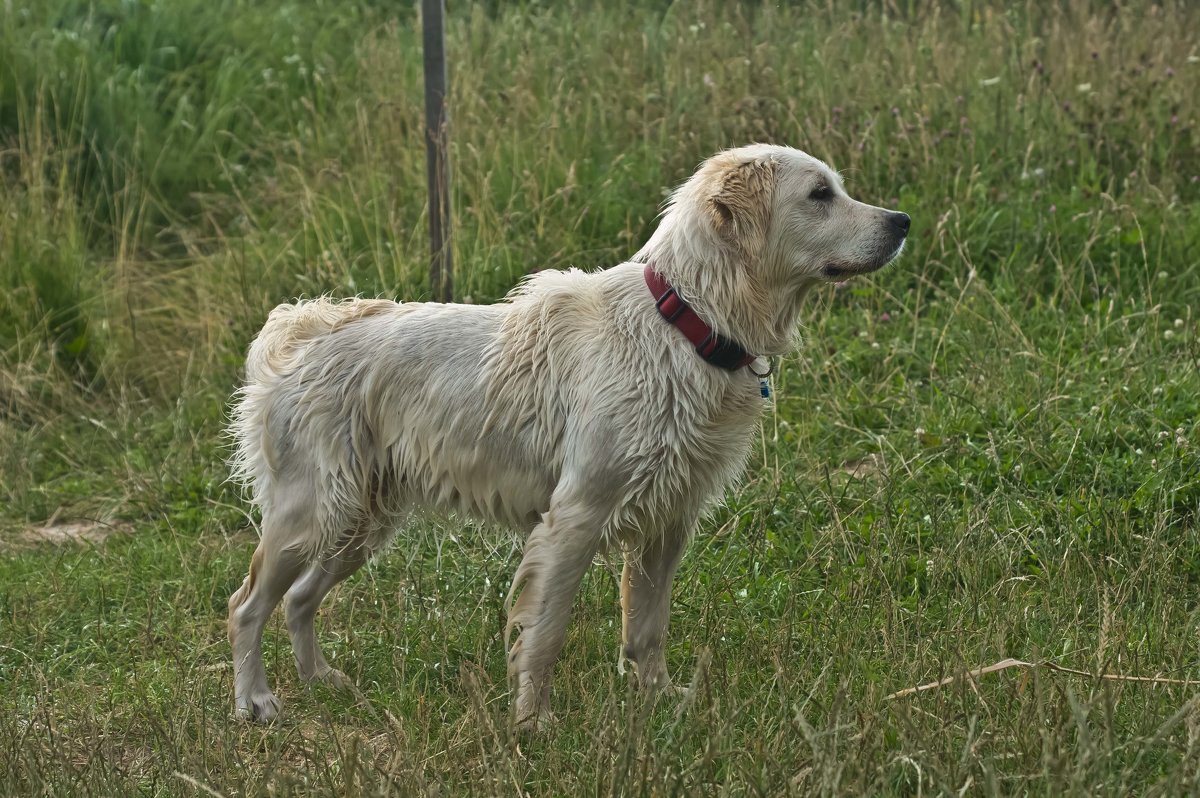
[{"x": 701, "y": 447}]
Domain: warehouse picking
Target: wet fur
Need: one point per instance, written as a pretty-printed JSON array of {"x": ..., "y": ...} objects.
[{"x": 570, "y": 412}]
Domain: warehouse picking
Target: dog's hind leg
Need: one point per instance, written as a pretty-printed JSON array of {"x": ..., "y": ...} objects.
[
  {"x": 646, "y": 606},
  {"x": 278, "y": 561},
  {"x": 557, "y": 554},
  {"x": 301, "y": 605}
]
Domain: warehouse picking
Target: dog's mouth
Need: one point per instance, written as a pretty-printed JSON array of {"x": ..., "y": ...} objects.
[
  {"x": 837, "y": 271},
  {"x": 841, "y": 272}
]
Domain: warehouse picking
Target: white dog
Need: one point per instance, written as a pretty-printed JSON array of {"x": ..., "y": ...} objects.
[{"x": 586, "y": 411}]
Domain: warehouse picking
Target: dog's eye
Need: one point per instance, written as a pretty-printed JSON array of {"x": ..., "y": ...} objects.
[{"x": 821, "y": 194}]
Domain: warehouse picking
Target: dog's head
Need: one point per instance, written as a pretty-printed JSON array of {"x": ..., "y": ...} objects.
[
  {"x": 755, "y": 227},
  {"x": 790, "y": 216}
]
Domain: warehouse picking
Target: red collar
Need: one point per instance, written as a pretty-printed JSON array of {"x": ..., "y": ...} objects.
[{"x": 710, "y": 345}]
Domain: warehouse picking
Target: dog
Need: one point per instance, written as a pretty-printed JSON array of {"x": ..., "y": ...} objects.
[{"x": 586, "y": 411}]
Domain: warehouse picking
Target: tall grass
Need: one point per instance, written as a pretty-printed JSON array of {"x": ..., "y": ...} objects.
[{"x": 987, "y": 450}]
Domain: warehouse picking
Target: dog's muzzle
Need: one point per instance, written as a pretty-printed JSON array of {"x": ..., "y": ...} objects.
[{"x": 896, "y": 225}]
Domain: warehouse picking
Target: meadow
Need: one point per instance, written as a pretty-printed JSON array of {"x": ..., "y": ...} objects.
[{"x": 989, "y": 450}]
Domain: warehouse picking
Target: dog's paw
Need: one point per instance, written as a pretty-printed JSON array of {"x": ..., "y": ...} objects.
[
  {"x": 670, "y": 690},
  {"x": 259, "y": 708},
  {"x": 337, "y": 680},
  {"x": 535, "y": 723},
  {"x": 656, "y": 682}
]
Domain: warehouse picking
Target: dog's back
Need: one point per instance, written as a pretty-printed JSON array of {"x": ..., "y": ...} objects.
[{"x": 376, "y": 408}]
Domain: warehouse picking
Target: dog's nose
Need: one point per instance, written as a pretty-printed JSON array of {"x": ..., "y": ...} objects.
[{"x": 900, "y": 222}]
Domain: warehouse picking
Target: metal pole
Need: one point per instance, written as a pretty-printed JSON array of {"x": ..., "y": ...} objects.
[{"x": 437, "y": 157}]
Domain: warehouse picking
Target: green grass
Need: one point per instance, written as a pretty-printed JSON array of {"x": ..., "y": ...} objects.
[{"x": 1020, "y": 393}]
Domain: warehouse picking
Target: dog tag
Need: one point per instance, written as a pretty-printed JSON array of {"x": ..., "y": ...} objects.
[{"x": 761, "y": 368}]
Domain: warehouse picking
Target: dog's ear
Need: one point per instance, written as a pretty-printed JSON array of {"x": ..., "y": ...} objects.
[{"x": 739, "y": 204}]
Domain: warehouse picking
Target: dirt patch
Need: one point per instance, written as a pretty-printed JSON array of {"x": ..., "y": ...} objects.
[
  {"x": 65, "y": 532},
  {"x": 862, "y": 467}
]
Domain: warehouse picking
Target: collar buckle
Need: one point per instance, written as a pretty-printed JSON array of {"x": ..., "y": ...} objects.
[{"x": 674, "y": 313}]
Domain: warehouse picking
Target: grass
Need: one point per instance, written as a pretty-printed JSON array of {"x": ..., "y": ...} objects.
[{"x": 988, "y": 450}]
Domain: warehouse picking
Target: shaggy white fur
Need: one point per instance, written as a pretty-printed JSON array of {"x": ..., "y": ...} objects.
[{"x": 572, "y": 412}]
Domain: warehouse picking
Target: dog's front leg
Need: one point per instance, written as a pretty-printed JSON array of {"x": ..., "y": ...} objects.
[
  {"x": 646, "y": 605},
  {"x": 557, "y": 554}
]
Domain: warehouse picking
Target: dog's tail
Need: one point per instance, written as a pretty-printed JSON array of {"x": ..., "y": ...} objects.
[
  {"x": 280, "y": 345},
  {"x": 277, "y": 351}
]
